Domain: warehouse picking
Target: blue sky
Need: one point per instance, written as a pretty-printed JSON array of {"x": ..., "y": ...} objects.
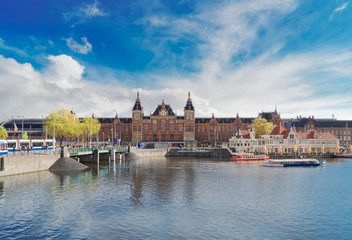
[{"x": 234, "y": 56}]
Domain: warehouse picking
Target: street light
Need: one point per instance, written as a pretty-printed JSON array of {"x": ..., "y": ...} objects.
[
  {"x": 90, "y": 132},
  {"x": 22, "y": 123}
]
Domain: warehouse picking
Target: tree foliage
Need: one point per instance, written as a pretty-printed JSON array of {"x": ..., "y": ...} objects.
[
  {"x": 3, "y": 133},
  {"x": 89, "y": 126},
  {"x": 262, "y": 126},
  {"x": 66, "y": 124}
]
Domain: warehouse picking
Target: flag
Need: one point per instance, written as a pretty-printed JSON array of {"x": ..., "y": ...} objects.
[{"x": 15, "y": 127}]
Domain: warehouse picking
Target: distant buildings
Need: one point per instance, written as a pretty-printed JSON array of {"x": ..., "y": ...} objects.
[
  {"x": 164, "y": 125},
  {"x": 282, "y": 140}
]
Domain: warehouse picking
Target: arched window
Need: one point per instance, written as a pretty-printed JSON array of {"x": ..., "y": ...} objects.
[{"x": 154, "y": 125}]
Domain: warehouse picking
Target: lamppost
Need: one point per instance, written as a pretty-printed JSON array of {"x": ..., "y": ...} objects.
[
  {"x": 112, "y": 136},
  {"x": 97, "y": 135},
  {"x": 22, "y": 123},
  {"x": 90, "y": 132}
]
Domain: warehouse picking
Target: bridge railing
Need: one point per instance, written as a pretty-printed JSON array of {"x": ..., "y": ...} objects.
[{"x": 84, "y": 151}]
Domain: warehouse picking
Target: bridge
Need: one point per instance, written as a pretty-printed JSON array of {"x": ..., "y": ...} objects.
[
  {"x": 76, "y": 152},
  {"x": 95, "y": 154}
]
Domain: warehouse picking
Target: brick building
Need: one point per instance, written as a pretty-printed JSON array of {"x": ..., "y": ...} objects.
[{"x": 163, "y": 125}]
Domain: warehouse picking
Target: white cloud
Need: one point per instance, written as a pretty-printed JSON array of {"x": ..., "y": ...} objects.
[
  {"x": 63, "y": 71},
  {"x": 83, "y": 48},
  {"x": 338, "y": 10},
  {"x": 18, "y": 51},
  {"x": 81, "y": 14}
]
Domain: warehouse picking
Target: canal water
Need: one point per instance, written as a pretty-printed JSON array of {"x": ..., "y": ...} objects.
[{"x": 180, "y": 199}]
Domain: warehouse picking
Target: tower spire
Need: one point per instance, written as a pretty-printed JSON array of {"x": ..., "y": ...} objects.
[
  {"x": 189, "y": 105},
  {"x": 137, "y": 104}
]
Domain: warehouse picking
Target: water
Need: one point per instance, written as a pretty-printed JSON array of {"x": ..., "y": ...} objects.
[{"x": 180, "y": 199}]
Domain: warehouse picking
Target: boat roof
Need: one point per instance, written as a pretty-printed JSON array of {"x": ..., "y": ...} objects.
[{"x": 294, "y": 160}]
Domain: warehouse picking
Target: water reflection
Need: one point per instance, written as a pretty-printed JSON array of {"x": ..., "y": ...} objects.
[
  {"x": 178, "y": 199},
  {"x": 1, "y": 189}
]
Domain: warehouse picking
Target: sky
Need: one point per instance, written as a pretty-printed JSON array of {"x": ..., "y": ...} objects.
[{"x": 244, "y": 56}]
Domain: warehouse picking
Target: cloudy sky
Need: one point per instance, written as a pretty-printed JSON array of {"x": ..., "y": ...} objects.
[{"x": 233, "y": 56}]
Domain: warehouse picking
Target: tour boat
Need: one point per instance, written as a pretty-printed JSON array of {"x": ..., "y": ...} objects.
[
  {"x": 293, "y": 163},
  {"x": 247, "y": 157}
]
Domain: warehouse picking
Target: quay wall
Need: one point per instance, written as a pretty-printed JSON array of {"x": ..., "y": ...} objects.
[
  {"x": 208, "y": 153},
  {"x": 26, "y": 164},
  {"x": 145, "y": 153},
  {"x": 303, "y": 156}
]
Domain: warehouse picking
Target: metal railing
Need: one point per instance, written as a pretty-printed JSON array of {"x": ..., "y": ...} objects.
[
  {"x": 33, "y": 153},
  {"x": 87, "y": 151}
]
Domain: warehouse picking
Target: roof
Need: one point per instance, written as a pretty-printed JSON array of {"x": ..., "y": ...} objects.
[
  {"x": 189, "y": 105},
  {"x": 321, "y": 123},
  {"x": 110, "y": 120},
  {"x": 267, "y": 115},
  {"x": 224, "y": 120},
  {"x": 169, "y": 110},
  {"x": 137, "y": 104},
  {"x": 279, "y": 130}
]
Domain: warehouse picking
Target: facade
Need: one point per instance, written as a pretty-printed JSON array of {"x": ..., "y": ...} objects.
[
  {"x": 163, "y": 125},
  {"x": 282, "y": 140},
  {"x": 342, "y": 129}
]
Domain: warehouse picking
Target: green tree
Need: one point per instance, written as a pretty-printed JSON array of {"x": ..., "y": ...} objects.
[
  {"x": 89, "y": 126},
  {"x": 65, "y": 122},
  {"x": 261, "y": 127},
  {"x": 3, "y": 133},
  {"x": 25, "y": 136}
]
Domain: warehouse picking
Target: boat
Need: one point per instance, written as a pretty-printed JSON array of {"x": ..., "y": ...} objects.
[
  {"x": 293, "y": 163},
  {"x": 248, "y": 157},
  {"x": 344, "y": 155}
]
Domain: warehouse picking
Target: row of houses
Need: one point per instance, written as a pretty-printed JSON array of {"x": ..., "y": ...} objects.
[{"x": 282, "y": 140}]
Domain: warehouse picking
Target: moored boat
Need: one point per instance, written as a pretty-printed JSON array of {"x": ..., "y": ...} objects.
[
  {"x": 344, "y": 155},
  {"x": 293, "y": 163},
  {"x": 248, "y": 157}
]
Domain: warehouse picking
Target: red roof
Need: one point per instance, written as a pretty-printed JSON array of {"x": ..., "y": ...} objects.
[
  {"x": 245, "y": 133},
  {"x": 278, "y": 130}
]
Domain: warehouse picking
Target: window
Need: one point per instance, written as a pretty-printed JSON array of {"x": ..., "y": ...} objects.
[
  {"x": 180, "y": 128},
  {"x": 163, "y": 126},
  {"x": 162, "y": 137},
  {"x": 171, "y": 137},
  {"x": 155, "y": 138},
  {"x": 172, "y": 126},
  {"x": 154, "y": 125},
  {"x": 180, "y": 137},
  {"x": 146, "y": 128}
]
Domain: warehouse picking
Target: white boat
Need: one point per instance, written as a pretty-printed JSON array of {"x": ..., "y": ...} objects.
[{"x": 293, "y": 163}]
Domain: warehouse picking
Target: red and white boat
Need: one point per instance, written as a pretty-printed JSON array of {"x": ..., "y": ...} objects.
[{"x": 248, "y": 157}]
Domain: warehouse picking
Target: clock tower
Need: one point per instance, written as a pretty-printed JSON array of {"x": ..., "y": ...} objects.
[
  {"x": 189, "y": 134},
  {"x": 137, "y": 121}
]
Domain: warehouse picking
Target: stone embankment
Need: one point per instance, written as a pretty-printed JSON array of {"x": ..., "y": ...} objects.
[
  {"x": 303, "y": 156},
  {"x": 179, "y": 153},
  {"x": 26, "y": 164},
  {"x": 200, "y": 153},
  {"x": 146, "y": 153}
]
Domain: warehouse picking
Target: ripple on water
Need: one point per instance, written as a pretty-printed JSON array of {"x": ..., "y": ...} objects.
[{"x": 180, "y": 199}]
